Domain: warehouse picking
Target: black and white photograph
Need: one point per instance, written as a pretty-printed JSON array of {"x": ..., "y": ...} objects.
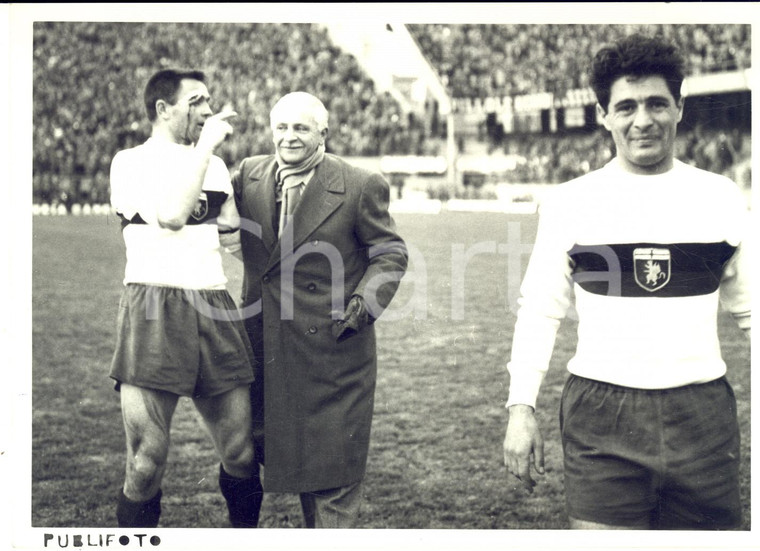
[{"x": 415, "y": 276}]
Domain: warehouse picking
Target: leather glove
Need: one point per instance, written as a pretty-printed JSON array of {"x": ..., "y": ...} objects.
[{"x": 355, "y": 318}]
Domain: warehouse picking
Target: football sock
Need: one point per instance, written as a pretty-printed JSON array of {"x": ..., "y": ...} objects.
[
  {"x": 138, "y": 514},
  {"x": 244, "y": 497}
]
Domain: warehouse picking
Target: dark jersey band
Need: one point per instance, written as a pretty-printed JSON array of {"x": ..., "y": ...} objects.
[
  {"x": 650, "y": 269},
  {"x": 208, "y": 207}
]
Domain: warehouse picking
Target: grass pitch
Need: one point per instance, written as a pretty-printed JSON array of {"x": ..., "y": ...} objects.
[{"x": 436, "y": 454}]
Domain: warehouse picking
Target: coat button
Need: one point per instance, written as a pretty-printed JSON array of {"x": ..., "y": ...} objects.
[
  {"x": 312, "y": 329},
  {"x": 312, "y": 286},
  {"x": 265, "y": 279}
]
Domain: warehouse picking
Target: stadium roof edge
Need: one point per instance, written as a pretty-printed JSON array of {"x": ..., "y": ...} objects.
[{"x": 717, "y": 83}]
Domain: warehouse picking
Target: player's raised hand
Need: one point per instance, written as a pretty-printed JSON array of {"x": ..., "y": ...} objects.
[{"x": 216, "y": 128}]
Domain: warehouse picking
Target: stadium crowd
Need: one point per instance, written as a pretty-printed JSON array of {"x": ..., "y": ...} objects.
[
  {"x": 88, "y": 79},
  {"x": 480, "y": 61},
  {"x": 558, "y": 158},
  {"x": 492, "y": 61}
]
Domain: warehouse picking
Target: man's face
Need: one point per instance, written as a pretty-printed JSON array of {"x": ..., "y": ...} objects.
[
  {"x": 187, "y": 116},
  {"x": 642, "y": 117},
  {"x": 295, "y": 133}
]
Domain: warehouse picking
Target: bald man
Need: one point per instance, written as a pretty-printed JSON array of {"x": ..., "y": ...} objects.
[{"x": 322, "y": 262}]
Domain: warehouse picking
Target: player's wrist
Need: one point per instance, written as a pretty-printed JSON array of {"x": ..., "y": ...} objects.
[
  {"x": 206, "y": 145},
  {"x": 520, "y": 410}
]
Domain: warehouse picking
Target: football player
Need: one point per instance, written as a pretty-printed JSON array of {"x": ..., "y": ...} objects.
[
  {"x": 649, "y": 247},
  {"x": 179, "y": 332}
]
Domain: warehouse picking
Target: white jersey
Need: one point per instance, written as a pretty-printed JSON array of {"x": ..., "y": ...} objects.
[
  {"x": 648, "y": 259},
  {"x": 188, "y": 258}
]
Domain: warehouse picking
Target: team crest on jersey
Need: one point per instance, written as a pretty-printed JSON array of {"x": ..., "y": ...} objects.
[
  {"x": 651, "y": 268},
  {"x": 201, "y": 207}
]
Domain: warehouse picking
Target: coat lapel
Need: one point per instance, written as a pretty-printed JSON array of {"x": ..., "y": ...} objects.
[
  {"x": 261, "y": 202},
  {"x": 323, "y": 195}
]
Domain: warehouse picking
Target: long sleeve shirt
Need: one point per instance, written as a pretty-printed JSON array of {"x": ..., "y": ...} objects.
[{"x": 643, "y": 262}]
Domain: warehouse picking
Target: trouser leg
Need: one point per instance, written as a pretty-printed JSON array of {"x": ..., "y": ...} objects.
[{"x": 335, "y": 508}]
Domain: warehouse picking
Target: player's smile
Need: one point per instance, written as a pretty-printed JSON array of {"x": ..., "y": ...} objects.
[
  {"x": 642, "y": 116},
  {"x": 645, "y": 138},
  {"x": 646, "y": 141}
]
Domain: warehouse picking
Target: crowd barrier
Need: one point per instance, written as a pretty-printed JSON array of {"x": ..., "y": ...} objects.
[{"x": 400, "y": 206}]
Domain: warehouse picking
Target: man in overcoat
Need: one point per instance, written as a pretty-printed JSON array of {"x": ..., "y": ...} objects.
[{"x": 322, "y": 260}]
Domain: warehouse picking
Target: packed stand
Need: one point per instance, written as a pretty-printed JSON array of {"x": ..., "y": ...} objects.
[
  {"x": 493, "y": 61},
  {"x": 480, "y": 61},
  {"x": 549, "y": 159},
  {"x": 89, "y": 78}
]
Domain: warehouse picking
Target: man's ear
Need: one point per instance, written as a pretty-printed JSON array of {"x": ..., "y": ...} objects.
[
  {"x": 679, "y": 104},
  {"x": 161, "y": 107},
  {"x": 324, "y": 133},
  {"x": 601, "y": 113}
]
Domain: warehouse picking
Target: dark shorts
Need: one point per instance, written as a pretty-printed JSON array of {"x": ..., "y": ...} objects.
[
  {"x": 190, "y": 343},
  {"x": 666, "y": 459}
]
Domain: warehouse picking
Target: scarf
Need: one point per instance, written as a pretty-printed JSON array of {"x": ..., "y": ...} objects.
[{"x": 289, "y": 176}]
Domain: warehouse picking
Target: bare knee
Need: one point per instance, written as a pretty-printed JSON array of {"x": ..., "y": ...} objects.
[
  {"x": 146, "y": 463},
  {"x": 147, "y": 417},
  {"x": 228, "y": 419},
  {"x": 238, "y": 455}
]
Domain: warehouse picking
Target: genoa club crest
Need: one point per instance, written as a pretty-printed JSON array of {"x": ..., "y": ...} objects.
[
  {"x": 651, "y": 268},
  {"x": 201, "y": 207}
]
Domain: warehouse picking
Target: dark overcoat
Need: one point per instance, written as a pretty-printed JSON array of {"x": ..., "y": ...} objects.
[{"x": 313, "y": 399}]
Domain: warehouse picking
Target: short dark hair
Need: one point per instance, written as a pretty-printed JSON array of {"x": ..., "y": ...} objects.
[
  {"x": 636, "y": 55},
  {"x": 165, "y": 85}
]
